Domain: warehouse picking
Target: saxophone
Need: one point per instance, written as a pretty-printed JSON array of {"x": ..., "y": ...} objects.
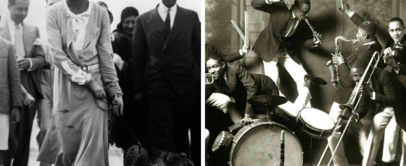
[{"x": 333, "y": 66}]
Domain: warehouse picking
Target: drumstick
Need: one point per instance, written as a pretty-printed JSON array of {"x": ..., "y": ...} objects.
[
  {"x": 238, "y": 30},
  {"x": 246, "y": 27},
  {"x": 282, "y": 148}
]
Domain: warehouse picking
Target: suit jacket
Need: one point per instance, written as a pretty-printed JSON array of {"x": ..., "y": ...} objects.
[
  {"x": 389, "y": 93},
  {"x": 33, "y": 51},
  {"x": 272, "y": 37},
  {"x": 10, "y": 85},
  {"x": 160, "y": 61},
  {"x": 346, "y": 84},
  {"x": 243, "y": 86}
]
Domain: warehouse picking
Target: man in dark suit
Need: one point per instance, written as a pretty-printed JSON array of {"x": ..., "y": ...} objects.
[
  {"x": 280, "y": 43},
  {"x": 387, "y": 96},
  {"x": 395, "y": 57},
  {"x": 10, "y": 94},
  {"x": 30, "y": 59},
  {"x": 166, "y": 71}
]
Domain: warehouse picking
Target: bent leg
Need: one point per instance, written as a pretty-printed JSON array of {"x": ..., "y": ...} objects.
[{"x": 390, "y": 141}]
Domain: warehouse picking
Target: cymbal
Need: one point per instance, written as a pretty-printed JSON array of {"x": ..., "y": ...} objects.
[{"x": 267, "y": 99}]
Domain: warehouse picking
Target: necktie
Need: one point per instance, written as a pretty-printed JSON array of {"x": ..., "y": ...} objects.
[
  {"x": 168, "y": 20},
  {"x": 292, "y": 26},
  {"x": 19, "y": 42}
]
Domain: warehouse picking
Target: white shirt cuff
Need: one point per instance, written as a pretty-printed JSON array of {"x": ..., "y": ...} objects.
[
  {"x": 268, "y": 2},
  {"x": 351, "y": 14},
  {"x": 373, "y": 97},
  {"x": 397, "y": 71},
  {"x": 30, "y": 68}
]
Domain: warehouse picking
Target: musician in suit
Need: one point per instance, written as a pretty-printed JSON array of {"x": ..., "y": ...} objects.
[
  {"x": 166, "y": 71},
  {"x": 280, "y": 43},
  {"x": 395, "y": 57},
  {"x": 367, "y": 45},
  {"x": 30, "y": 59},
  {"x": 386, "y": 95},
  {"x": 10, "y": 94},
  {"x": 392, "y": 130}
]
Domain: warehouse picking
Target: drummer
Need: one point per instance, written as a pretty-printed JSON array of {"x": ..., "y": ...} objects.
[{"x": 234, "y": 85}]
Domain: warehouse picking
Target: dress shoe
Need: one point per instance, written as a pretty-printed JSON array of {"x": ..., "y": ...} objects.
[{"x": 315, "y": 80}]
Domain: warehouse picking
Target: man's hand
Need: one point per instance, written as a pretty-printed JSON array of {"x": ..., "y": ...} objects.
[
  {"x": 337, "y": 59},
  {"x": 247, "y": 120},
  {"x": 245, "y": 48},
  {"x": 23, "y": 63},
  {"x": 15, "y": 115},
  {"x": 367, "y": 91},
  {"x": 118, "y": 105},
  {"x": 220, "y": 101},
  {"x": 139, "y": 97},
  {"x": 345, "y": 9},
  {"x": 388, "y": 58},
  {"x": 97, "y": 89}
]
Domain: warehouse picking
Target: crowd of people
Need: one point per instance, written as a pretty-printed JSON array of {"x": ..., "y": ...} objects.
[
  {"x": 279, "y": 43},
  {"x": 90, "y": 87}
]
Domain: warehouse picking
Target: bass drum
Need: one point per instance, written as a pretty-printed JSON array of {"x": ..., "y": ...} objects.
[{"x": 259, "y": 144}]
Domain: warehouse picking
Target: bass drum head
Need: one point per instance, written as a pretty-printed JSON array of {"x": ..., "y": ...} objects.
[
  {"x": 259, "y": 144},
  {"x": 317, "y": 118}
]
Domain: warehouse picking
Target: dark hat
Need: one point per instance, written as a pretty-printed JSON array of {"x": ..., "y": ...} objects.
[
  {"x": 129, "y": 11},
  {"x": 368, "y": 27}
]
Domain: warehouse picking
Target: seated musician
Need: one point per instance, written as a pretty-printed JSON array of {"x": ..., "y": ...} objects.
[{"x": 367, "y": 45}]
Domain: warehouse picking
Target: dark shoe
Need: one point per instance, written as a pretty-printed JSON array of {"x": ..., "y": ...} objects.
[{"x": 315, "y": 80}]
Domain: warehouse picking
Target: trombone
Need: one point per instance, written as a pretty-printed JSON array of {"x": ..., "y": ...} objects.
[{"x": 349, "y": 109}]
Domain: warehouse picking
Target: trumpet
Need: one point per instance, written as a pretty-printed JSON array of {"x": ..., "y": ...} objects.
[
  {"x": 349, "y": 109},
  {"x": 333, "y": 66},
  {"x": 316, "y": 35}
]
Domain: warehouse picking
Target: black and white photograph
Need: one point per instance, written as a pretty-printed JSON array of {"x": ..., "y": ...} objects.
[
  {"x": 100, "y": 82},
  {"x": 304, "y": 82}
]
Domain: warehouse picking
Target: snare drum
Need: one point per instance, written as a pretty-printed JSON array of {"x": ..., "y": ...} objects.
[
  {"x": 259, "y": 144},
  {"x": 315, "y": 123}
]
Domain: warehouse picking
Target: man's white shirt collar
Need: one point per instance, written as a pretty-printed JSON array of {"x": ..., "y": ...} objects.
[
  {"x": 11, "y": 27},
  {"x": 163, "y": 10}
]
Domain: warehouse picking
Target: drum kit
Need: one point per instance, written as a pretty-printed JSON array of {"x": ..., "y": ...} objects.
[{"x": 265, "y": 142}]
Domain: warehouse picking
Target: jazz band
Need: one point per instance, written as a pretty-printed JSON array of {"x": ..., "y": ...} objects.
[{"x": 361, "y": 85}]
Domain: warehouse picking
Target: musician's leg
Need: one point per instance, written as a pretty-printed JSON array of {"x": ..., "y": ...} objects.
[
  {"x": 361, "y": 133},
  {"x": 297, "y": 72},
  {"x": 271, "y": 70},
  {"x": 339, "y": 157},
  {"x": 292, "y": 109},
  {"x": 390, "y": 141},
  {"x": 379, "y": 123}
]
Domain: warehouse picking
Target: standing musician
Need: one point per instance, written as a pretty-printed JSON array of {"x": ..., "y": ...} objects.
[
  {"x": 386, "y": 94},
  {"x": 367, "y": 46},
  {"x": 395, "y": 57},
  {"x": 279, "y": 43}
]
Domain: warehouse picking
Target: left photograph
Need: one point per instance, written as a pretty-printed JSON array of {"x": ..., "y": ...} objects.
[{"x": 87, "y": 82}]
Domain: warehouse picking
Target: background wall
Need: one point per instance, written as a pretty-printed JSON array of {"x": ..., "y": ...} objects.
[{"x": 327, "y": 20}]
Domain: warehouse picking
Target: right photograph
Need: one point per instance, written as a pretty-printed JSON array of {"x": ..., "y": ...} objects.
[{"x": 305, "y": 82}]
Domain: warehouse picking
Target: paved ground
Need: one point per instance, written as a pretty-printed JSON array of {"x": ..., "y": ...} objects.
[{"x": 115, "y": 154}]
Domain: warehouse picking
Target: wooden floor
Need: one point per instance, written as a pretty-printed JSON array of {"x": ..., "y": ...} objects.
[{"x": 115, "y": 154}]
